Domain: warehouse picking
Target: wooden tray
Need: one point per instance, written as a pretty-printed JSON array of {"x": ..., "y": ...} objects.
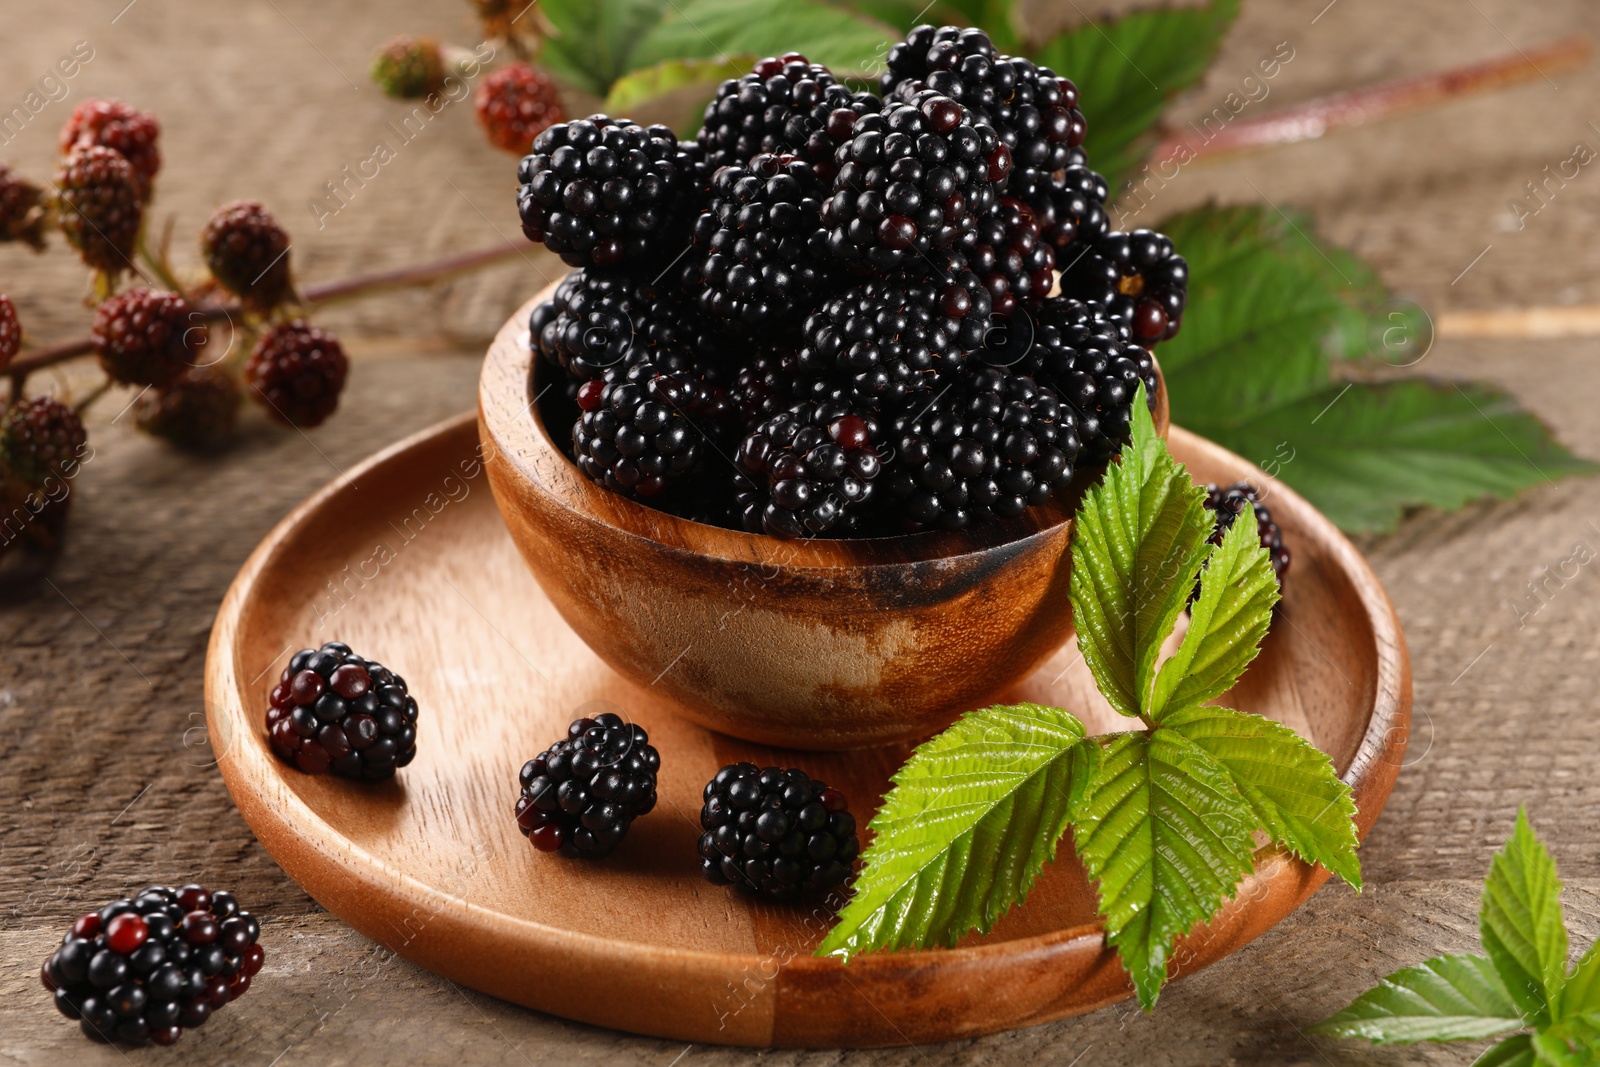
[{"x": 406, "y": 559}]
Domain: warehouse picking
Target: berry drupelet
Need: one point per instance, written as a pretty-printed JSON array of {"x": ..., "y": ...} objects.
[
  {"x": 22, "y": 212},
  {"x": 133, "y": 134},
  {"x": 297, "y": 372},
  {"x": 808, "y": 471},
  {"x": 147, "y": 336},
  {"x": 248, "y": 253},
  {"x": 148, "y": 968},
  {"x": 637, "y": 435},
  {"x": 1006, "y": 251},
  {"x": 580, "y": 795},
  {"x": 992, "y": 446},
  {"x": 98, "y": 207},
  {"x": 196, "y": 411},
  {"x": 775, "y": 832},
  {"x": 1136, "y": 276},
  {"x": 515, "y": 104},
  {"x": 334, "y": 711},
  {"x": 607, "y": 191},
  {"x": 1228, "y": 502},
  {"x": 39, "y": 437}
]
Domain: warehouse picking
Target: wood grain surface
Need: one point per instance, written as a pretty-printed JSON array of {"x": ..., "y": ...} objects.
[{"x": 105, "y": 780}]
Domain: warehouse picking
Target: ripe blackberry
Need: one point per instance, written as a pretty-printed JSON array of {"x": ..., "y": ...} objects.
[
  {"x": 993, "y": 445},
  {"x": 1005, "y": 251},
  {"x": 1137, "y": 277},
  {"x": 248, "y": 252},
  {"x": 150, "y": 967},
  {"x": 408, "y": 67},
  {"x": 808, "y": 470},
  {"x": 889, "y": 338},
  {"x": 22, "y": 213},
  {"x": 607, "y": 191},
  {"x": 10, "y": 331},
  {"x": 515, "y": 104},
  {"x": 133, "y": 134},
  {"x": 912, "y": 180},
  {"x": 39, "y": 436},
  {"x": 98, "y": 207},
  {"x": 775, "y": 832},
  {"x": 782, "y": 105},
  {"x": 1087, "y": 359},
  {"x": 580, "y": 795},
  {"x": 637, "y": 435},
  {"x": 147, "y": 337},
  {"x": 599, "y": 323},
  {"x": 196, "y": 411},
  {"x": 334, "y": 711},
  {"x": 1067, "y": 207},
  {"x": 1227, "y": 503},
  {"x": 761, "y": 254},
  {"x": 296, "y": 372}
]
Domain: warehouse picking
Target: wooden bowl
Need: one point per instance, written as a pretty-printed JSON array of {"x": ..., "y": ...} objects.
[{"x": 816, "y": 644}]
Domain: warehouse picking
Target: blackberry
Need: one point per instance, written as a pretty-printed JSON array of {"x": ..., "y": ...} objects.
[
  {"x": 147, "y": 337},
  {"x": 580, "y": 795},
  {"x": 408, "y": 67},
  {"x": 133, "y": 134},
  {"x": 636, "y": 435},
  {"x": 197, "y": 411},
  {"x": 1136, "y": 276},
  {"x": 297, "y": 372},
  {"x": 1067, "y": 207},
  {"x": 759, "y": 245},
  {"x": 148, "y": 968},
  {"x": 1228, "y": 502},
  {"x": 809, "y": 470},
  {"x": 607, "y": 191},
  {"x": 775, "y": 832},
  {"x": 334, "y": 711},
  {"x": 248, "y": 252},
  {"x": 22, "y": 213},
  {"x": 599, "y": 323},
  {"x": 912, "y": 180},
  {"x": 98, "y": 207},
  {"x": 782, "y": 105},
  {"x": 993, "y": 445},
  {"x": 890, "y": 338},
  {"x": 515, "y": 104},
  {"x": 39, "y": 437},
  {"x": 1005, "y": 251},
  {"x": 10, "y": 331}
]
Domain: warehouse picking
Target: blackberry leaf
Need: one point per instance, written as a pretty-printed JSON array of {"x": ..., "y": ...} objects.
[
  {"x": 1140, "y": 537},
  {"x": 1288, "y": 782},
  {"x": 1520, "y": 923},
  {"x": 1449, "y": 998},
  {"x": 594, "y": 40},
  {"x": 1167, "y": 837},
  {"x": 1573, "y": 1042},
  {"x": 699, "y": 29},
  {"x": 1581, "y": 993},
  {"x": 1514, "y": 1051},
  {"x": 1226, "y": 623},
  {"x": 629, "y": 92},
  {"x": 972, "y": 817}
]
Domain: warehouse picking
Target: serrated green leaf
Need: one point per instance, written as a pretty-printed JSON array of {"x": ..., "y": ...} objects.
[
  {"x": 1514, "y": 1051},
  {"x": 1580, "y": 994},
  {"x": 996, "y": 17},
  {"x": 843, "y": 40},
  {"x": 1520, "y": 923},
  {"x": 1138, "y": 540},
  {"x": 1288, "y": 782},
  {"x": 1167, "y": 838},
  {"x": 1127, "y": 69},
  {"x": 1573, "y": 1042},
  {"x": 633, "y": 89},
  {"x": 1226, "y": 623},
  {"x": 972, "y": 817},
  {"x": 1448, "y": 998},
  {"x": 593, "y": 41}
]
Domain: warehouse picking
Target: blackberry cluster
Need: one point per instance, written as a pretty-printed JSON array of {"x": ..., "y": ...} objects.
[
  {"x": 605, "y": 192},
  {"x": 133, "y": 134},
  {"x": 197, "y": 411},
  {"x": 824, "y": 262},
  {"x": 1228, "y": 502},
  {"x": 98, "y": 207},
  {"x": 248, "y": 253},
  {"x": 148, "y": 968},
  {"x": 775, "y": 832},
  {"x": 147, "y": 337},
  {"x": 40, "y": 436},
  {"x": 334, "y": 711},
  {"x": 297, "y": 371},
  {"x": 580, "y": 795}
]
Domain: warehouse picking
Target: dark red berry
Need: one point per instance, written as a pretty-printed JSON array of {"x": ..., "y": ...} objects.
[
  {"x": 22, "y": 211},
  {"x": 99, "y": 207},
  {"x": 133, "y": 134},
  {"x": 40, "y": 437},
  {"x": 350, "y": 681},
  {"x": 147, "y": 337},
  {"x": 248, "y": 252},
  {"x": 515, "y": 104},
  {"x": 87, "y": 925},
  {"x": 297, "y": 371}
]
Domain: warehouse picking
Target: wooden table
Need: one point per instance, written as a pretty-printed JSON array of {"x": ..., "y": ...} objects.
[{"x": 106, "y": 781}]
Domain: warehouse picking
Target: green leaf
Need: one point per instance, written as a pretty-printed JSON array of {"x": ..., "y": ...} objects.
[
  {"x": 1580, "y": 994},
  {"x": 1573, "y": 1042},
  {"x": 1364, "y": 452},
  {"x": 631, "y": 90},
  {"x": 1520, "y": 923},
  {"x": 1448, "y": 998},
  {"x": 1226, "y": 623},
  {"x": 1139, "y": 537},
  {"x": 972, "y": 817},
  {"x": 594, "y": 40},
  {"x": 1127, "y": 69},
  {"x": 1167, "y": 837},
  {"x": 697, "y": 29},
  {"x": 997, "y": 17},
  {"x": 1289, "y": 783},
  {"x": 1514, "y": 1051}
]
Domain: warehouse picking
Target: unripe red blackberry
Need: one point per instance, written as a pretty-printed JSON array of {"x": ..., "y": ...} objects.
[
  {"x": 147, "y": 337},
  {"x": 1005, "y": 250},
  {"x": 515, "y": 104},
  {"x": 196, "y": 411},
  {"x": 297, "y": 372},
  {"x": 1137, "y": 277},
  {"x": 39, "y": 436},
  {"x": 809, "y": 471},
  {"x": 133, "y": 134},
  {"x": 580, "y": 795},
  {"x": 248, "y": 253},
  {"x": 10, "y": 331},
  {"x": 408, "y": 67},
  {"x": 1228, "y": 502},
  {"x": 334, "y": 711},
  {"x": 147, "y": 968},
  {"x": 98, "y": 207},
  {"x": 30, "y": 517},
  {"x": 775, "y": 832},
  {"x": 22, "y": 213}
]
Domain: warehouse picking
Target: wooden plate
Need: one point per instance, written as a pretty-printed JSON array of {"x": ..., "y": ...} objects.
[{"x": 406, "y": 559}]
